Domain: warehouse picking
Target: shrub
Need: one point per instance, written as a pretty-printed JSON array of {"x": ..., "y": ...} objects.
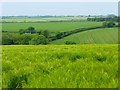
[
  {"x": 109, "y": 24},
  {"x": 38, "y": 39},
  {"x": 24, "y": 39},
  {"x": 69, "y": 42}
]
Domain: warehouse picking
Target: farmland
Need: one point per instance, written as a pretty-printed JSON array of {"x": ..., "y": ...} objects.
[
  {"x": 50, "y": 26},
  {"x": 42, "y": 19},
  {"x": 91, "y": 63},
  {"x": 98, "y": 36},
  {"x": 59, "y": 45},
  {"x": 60, "y": 66}
]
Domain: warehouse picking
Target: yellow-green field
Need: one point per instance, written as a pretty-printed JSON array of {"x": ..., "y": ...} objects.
[{"x": 60, "y": 66}]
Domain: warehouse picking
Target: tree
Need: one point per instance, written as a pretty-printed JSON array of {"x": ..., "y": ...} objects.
[
  {"x": 6, "y": 39},
  {"x": 108, "y": 24},
  {"x": 22, "y": 31},
  {"x": 10, "y": 39},
  {"x": 59, "y": 35},
  {"x": 31, "y": 30},
  {"x": 38, "y": 39},
  {"x": 39, "y": 32},
  {"x": 46, "y": 33},
  {"x": 25, "y": 38}
]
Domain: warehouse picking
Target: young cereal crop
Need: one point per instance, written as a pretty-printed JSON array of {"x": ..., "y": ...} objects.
[{"x": 60, "y": 66}]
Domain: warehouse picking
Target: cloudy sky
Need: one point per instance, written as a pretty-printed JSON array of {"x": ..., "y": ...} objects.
[{"x": 59, "y": 8}]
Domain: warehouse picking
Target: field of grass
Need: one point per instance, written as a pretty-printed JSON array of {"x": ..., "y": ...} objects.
[
  {"x": 60, "y": 66},
  {"x": 98, "y": 36},
  {"x": 50, "y": 26}
]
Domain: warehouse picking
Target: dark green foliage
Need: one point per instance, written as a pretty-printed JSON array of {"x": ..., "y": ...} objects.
[
  {"x": 65, "y": 34},
  {"x": 6, "y": 39},
  {"x": 39, "y": 32},
  {"x": 59, "y": 35},
  {"x": 46, "y": 33},
  {"x": 4, "y": 31},
  {"x": 70, "y": 56},
  {"x": 29, "y": 30},
  {"x": 70, "y": 42},
  {"x": 9, "y": 39},
  {"x": 73, "y": 57},
  {"x": 109, "y": 24},
  {"x": 24, "y": 39},
  {"x": 22, "y": 31},
  {"x": 38, "y": 39},
  {"x": 100, "y": 57},
  {"x": 18, "y": 81},
  {"x": 99, "y": 19}
]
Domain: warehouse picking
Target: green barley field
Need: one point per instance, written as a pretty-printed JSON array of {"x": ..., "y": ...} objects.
[
  {"x": 60, "y": 66},
  {"x": 97, "y": 36},
  {"x": 50, "y": 26}
]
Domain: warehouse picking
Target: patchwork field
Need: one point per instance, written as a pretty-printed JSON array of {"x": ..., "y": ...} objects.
[
  {"x": 42, "y": 19},
  {"x": 97, "y": 36},
  {"x": 60, "y": 66},
  {"x": 50, "y": 26}
]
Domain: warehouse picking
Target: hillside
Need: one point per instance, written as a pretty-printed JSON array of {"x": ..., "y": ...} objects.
[{"x": 97, "y": 36}]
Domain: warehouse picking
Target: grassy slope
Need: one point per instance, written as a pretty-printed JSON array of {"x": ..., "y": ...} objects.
[
  {"x": 51, "y": 26},
  {"x": 99, "y": 36},
  {"x": 75, "y": 66}
]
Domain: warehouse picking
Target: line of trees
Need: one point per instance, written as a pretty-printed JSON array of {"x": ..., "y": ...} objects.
[
  {"x": 99, "y": 19},
  {"x": 106, "y": 24},
  {"x": 25, "y": 39},
  {"x": 31, "y": 30},
  {"x": 27, "y": 36}
]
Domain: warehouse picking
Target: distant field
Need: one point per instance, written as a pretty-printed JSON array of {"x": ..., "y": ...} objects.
[
  {"x": 50, "y": 26},
  {"x": 41, "y": 19},
  {"x": 60, "y": 66},
  {"x": 98, "y": 36}
]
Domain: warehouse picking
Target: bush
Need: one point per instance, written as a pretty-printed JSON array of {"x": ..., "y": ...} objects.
[
  {"x": 24, "y": 39},
  {"x": 38, "y": 39},
  {"x": 30, "y": 30},
  {"x": 69, "y": 42},
  {"x": 109, "y": 24},
  {"x": 9, "y": 39},
  {"x": 46, "y": 33}
]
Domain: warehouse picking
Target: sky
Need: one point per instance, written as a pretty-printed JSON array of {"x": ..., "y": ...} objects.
[
  {"x": 58, "y": 8},
  {"x": 59, "y": 0}
]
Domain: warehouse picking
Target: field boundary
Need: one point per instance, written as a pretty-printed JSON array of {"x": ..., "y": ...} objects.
[{"x": 65, "y": 34}]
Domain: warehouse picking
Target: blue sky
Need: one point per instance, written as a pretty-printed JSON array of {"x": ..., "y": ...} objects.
[{"x": 59, "y": 8}]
